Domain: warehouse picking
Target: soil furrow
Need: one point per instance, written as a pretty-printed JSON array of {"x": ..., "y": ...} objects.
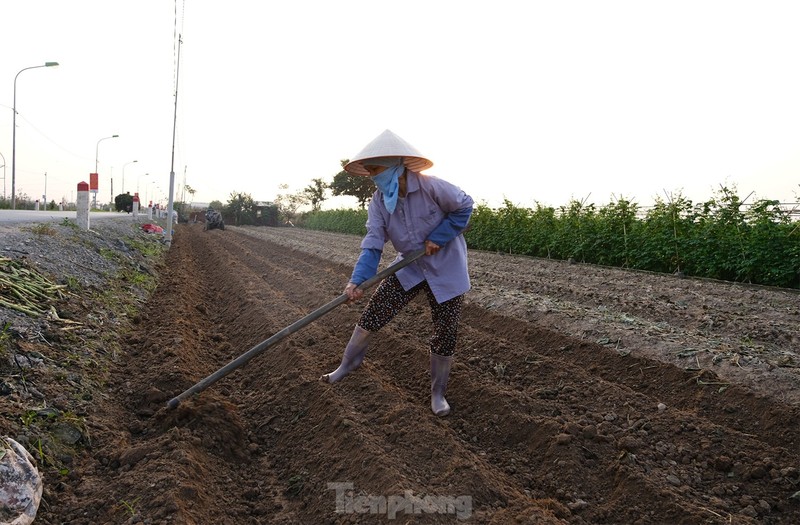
[{"x": 546, "y": 427}]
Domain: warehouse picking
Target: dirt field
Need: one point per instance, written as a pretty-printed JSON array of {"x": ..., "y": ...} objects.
[{"x": 580, "y": 395}]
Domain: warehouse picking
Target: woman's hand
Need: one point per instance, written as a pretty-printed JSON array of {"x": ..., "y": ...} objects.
[
  {"x": 353, "y": 292},
  {"x": 431, "y": 248}
]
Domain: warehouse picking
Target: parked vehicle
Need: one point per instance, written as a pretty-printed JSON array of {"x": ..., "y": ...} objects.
[{"x": 214, "y": 220}]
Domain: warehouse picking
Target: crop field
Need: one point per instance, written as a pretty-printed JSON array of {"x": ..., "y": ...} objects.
[{"x": 580, "y": 394}]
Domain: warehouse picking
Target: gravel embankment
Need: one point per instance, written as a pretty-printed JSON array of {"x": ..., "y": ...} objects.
[
  {"x": 54, "y": 366},
  {"x": 84, "y": 259}
]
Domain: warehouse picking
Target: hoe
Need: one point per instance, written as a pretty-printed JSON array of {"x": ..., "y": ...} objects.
[{"x": 292, "y": 328}]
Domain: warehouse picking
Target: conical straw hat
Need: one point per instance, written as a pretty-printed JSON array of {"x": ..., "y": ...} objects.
[{"x": 387, "y": 144}]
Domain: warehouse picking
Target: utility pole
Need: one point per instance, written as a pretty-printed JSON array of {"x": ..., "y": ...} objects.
[{"x": 170, "y": 203}]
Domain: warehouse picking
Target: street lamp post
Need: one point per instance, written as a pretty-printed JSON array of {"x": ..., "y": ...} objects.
[
  {"x": 14, "y": 137},
  {"x": 149, "y": 190},
  {"x": 96, "y": 155},
  {"x": 123, "y": 174},
  {"x": 137, "y": 182},
  {"x": 4, "y": 175}
]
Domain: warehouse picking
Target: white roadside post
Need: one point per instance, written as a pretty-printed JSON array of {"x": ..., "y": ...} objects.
[
  {"x": 135, "y": 207},
  {"x": 82, "y": 204}
]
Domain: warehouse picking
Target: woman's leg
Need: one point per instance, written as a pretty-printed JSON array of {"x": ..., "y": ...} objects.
[
  {"x": 446, "y": 317},
  {"x": 387, "y": 301},
  {"x": 389, "y": 298}
]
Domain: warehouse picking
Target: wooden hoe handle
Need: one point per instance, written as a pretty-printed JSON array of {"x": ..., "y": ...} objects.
[{"x": 294, "y": 327}]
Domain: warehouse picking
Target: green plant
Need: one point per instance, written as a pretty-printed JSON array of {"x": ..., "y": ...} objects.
[
  {"x": 28, "y": 417},
  {"x": 661, "y": 240},
  {"x": 111, "y": 255},
  {"x": 72, "y": 284},
  {"x": 43, "y": 458},
  {"x": 147, "y": 247},
  {"x": 296, "y": 484},
  {"x": 43, "y": 228},
  {"x": 613, "y": 233},
  {"x": 69, "y": 223},
  {"x": 77, "y": 422},
  {"x": 129, "y": 507},
  {"x": 485, "y": 228},
  {"x": 39, "y": 449},
  {"x": 26, "y": 290},
  {"x": 140, "y": 279},
  {"x": 339, "y": 221},
  {"x": 5, "y": 336},
  {"x": 721, "y": 238}
]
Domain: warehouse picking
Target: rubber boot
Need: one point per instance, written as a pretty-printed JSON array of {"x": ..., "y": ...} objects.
[
  {"x": 440, "y": 373},
  {"x": 353, "y": 355}
]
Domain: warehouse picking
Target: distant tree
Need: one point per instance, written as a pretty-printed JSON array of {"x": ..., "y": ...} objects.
[
  {"x": 242, "y": 208},
  {"x": 315, "y": 193},
  {"x": 191, "y": 191},
  {"x": 23, "y": 201},
  {"x": 288, "y": 203},
  {"x": 123, "y": 202},
  {"x": 217, "y": 205},
  {"x": 183, "y": 209},
  {"x": 362, "y": 188},
  {"x": 270, "y": 215}
]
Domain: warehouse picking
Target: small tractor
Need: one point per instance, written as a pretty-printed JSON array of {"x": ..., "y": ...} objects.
[{"x": 214, "y": 220}]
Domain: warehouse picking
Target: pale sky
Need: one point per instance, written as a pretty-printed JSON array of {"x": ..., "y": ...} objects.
[{"x": 521, "y": 100}]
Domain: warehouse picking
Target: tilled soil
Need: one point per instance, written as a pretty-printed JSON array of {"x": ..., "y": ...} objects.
[{"x": 580, "y": 395}]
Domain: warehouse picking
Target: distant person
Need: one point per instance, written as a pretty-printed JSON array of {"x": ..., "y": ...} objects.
[
  {"x": 174, "y": 217},
  {"x": 413, "y": 211}
]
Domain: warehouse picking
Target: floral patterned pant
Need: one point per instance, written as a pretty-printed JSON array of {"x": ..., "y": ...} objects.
[{"x": 390, "y": 298}]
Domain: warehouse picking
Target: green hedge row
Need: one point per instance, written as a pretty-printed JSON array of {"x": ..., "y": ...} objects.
[
  {"x": 719, "y": 238},
  {"x": 339, "y": 221}
]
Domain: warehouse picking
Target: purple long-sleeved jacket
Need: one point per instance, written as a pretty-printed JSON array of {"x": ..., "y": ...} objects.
[{"x": 427, "y": 202}]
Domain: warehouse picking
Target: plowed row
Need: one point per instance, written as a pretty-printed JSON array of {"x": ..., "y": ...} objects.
[{"x": 545, "y": 428}]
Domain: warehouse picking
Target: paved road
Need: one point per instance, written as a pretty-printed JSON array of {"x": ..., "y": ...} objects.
[{"x": 24, "y": 216}]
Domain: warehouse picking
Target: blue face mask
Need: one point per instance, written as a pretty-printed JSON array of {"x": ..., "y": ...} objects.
[{"x": 387, "y": 183}]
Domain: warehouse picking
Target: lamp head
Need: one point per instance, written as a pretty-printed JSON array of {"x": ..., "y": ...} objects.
[{"x": 50, "y": 64}]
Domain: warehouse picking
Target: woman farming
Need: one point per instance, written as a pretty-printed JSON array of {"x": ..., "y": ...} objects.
[{"x": 413, "y": 211}]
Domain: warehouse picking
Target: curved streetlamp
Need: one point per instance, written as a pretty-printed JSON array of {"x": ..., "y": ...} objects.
[
  {"x": 151, "y": 193},
  {"x": 4, "y": 175},
  {"x": 123, "y": 174},
  {"x": 14, "y": 137},
  {"x": 96, "y": 154},
  {"x": 140, "y": 178}
]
